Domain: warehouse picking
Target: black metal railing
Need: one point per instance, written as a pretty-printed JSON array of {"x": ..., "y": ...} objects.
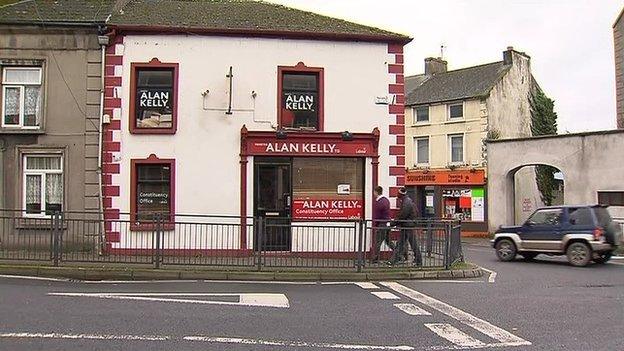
[{"x": 254, "y": 243}]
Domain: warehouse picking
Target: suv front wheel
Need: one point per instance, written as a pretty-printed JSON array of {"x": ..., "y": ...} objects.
[
  {"x": 505, "y": 250},
  {"x": 579, "y": 254}
]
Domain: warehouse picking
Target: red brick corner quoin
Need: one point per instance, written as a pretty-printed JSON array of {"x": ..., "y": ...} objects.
[
  {"x": 396, "y": 110},
  {"x": 111, "y": 148}
]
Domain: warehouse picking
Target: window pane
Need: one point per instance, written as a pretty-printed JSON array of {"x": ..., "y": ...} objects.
[
  {"x": 32, "y": 105},
  {"x": 422, "y": 113},
  {"x": 33, "y": 193},
  {"x": 457, "y": 149},
  {"x": 546, "y": 217},
  {"x": 22, "y": 75},
  {"x": 153, "y": 190},
  {"x": 43, "y": 163},
  {"x": 581, "y": 216},
  {"x": 154, "y": 98},
  {"x": 456, "y": 111},
  {"x": 54, "y": 193},
  {"x": 422, "y": 146},
  {"x": 300, "y": 100},
  {"x": 12, "y": 105}
]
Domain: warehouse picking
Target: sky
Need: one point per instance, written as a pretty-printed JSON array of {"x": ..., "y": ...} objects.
[{"x": 570, "y": 43}]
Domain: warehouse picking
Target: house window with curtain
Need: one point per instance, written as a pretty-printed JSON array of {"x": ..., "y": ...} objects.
[
  {"x": 456, "y": 147},
  {"x": 422, "y": 150},
  {"x": 42, "y": 184},
  {"x": 21, "y": 97}
]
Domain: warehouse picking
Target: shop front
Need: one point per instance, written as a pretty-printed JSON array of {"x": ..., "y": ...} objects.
[
  {"x": 301, "y": 177},
  {"x": 451, "y": 194}
]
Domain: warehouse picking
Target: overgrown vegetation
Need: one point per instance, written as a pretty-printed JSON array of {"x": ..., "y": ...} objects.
[{"x": 544, "y": 122}]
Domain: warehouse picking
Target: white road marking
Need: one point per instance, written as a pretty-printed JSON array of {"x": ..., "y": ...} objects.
[
  {"x": 245, "y": 299},
  {"x": 454, "y": 335},
  {"x": 366, "y": 285},
  {"x": 492, "y": 277},
  {"x": 35, "y": 278},
  {"x": 83, "y": 336},
  {"x": 411, "y": 309},
  {"x": 449, "y": 281},
  {"x": 617, "y": 257},
  {"x": 384, "y": 295},
  {"x": 243, "y": 341},
  {"x": 476, "y": 323},
  {"x": 138, "y": 281}
]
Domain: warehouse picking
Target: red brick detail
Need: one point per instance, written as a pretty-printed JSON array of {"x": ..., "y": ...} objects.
[
  {"x": 110, "y": 190},
  {"x": 396, "y": 88},
  {"x": 109, "y": 71},
  {"x": 394, "y": 191},
  {"x": 113, "y": 237},
  {"x": 110, "y": 168},
  {"x": 113, "y": 146},
  {"x": 396, "y": 129},
  {"x": 400, "y": 160},
  {"x": 398, "y": 58},
  {"x": 397, "y": 171},
  {"x": 396, "y": 109},
  {"x": 114, "y": 60},
  {"x": 109, "y": 92},
  {"x": 400, "y": 140},
  {"x": 112, "y": 102},
  {"x": 110, "y": 50},
  {"x": 112, "y": 81},
  {"x": 400, "y": 119},
  {"x": 399, "y": 99},
  {"x": 395, "y": 48},
  {"x": 114, "y": 124},
  {"x": 107, "y": 179},
  {"x": 400, "y": 181},
  {"x": 400, "y": 79},
  {"x": 397, "y": 150},
  {"x": 107, "y": 202},
  {"x": 108, "y": 226},
  {"x": 395, "y": 68},
  {"x": 111, "y": 213},
  {"x": 107, "y": 157},
  {"x": 108, "y": 135}
]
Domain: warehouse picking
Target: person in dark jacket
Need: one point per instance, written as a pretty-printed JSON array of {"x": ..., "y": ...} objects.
[
  {"x": 405, "y": 220},
  {"x": 381, "y": 222}
]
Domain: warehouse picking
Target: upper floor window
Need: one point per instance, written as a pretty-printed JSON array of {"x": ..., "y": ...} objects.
[
  {"x": 422, "y": 150},
  {"x": 421, "y": 114},
  {"x": 456, "y": 147},
  {"x": 611, "y": 198},
  {"x": 301, "y": 97},
  {"x": 153, "y": 100},
  {"x": 456, "y": 111},
  {"x": 42, "y": 184},
  {"x": 21, "y": 97}
]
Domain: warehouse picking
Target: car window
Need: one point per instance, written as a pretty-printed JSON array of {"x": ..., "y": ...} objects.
[
  {"x": 603, "y": 216},
  {"x": 546, "y": 217},
  {"x": 581, "y": 216}
]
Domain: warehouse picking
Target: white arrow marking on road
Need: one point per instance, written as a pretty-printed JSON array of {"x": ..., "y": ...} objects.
[
  {"x": 476, "y": 323},
  {"x": 245, "y": 299},
  {"x": 411, "y": 309},
  {"x": 492, "y": 277},
  {"x": 226, "y": 340},
  {"x": 454, "y": 335}
]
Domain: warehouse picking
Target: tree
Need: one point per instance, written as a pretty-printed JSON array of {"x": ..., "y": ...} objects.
[{"x": 544, "y": 122}]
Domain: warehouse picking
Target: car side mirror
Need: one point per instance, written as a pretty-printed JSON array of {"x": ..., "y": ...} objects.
[{"x": 529, "y": 223}]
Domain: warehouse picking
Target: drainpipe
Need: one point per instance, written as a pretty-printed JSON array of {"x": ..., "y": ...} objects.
[
  {"x": 2, "y": 168},
  {"x": 103, "y": 41}
]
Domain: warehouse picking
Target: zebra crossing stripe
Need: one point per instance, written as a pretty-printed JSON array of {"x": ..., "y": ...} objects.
[{"x": 454, "y": 335}]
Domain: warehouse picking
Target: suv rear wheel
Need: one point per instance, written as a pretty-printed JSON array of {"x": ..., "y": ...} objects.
[
  {"x": 603, "y": 257},
  {"x": 505, "y": 250},
  {"x": 579, "y": 254}
]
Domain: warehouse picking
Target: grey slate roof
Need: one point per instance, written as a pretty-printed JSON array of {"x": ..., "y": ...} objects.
[
  {"x": 57, "y": 11},
  {"x": 459, "y": 84},
  {"x": 217, "y": 16}
]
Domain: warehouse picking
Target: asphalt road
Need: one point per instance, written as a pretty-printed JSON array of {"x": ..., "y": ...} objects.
[{"x": 541, "y": 305}]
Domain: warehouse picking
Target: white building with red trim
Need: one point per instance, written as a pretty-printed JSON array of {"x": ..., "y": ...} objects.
[{"x": 270, "y": 112}]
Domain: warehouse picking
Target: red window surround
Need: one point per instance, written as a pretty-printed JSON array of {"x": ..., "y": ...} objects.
[
  {"x": 152, "y": 159},
  {"x": 301, "y": 68},
  {"x": 154, "y": 63}
]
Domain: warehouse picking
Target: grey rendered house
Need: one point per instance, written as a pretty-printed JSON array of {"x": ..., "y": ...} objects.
[{"x": 50, "y": 105}]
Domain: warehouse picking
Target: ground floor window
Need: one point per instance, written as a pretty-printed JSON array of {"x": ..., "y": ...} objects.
[
  {"x": 42, "y": 184},
  {"x": 466, "y": 204},
  {"x": 152, "y": 189}
]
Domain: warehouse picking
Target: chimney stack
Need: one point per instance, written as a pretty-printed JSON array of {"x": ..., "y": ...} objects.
[
  {"x": 508, "y": 55},
  {"x": 434, "y": 65}
]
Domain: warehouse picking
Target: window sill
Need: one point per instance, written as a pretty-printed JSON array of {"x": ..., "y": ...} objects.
[
  {"x": 421, "y": 124},
  {"x": 5, "y": 130},
  {"x": 452, "y": 121},
  {"x": 153, "y": 131}
]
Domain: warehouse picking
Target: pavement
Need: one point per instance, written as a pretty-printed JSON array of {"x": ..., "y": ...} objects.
[{"x": 541, "y": 305}]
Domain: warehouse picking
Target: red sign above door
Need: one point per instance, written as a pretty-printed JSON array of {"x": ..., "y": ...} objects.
[
  {"x": 309, "y": 144},
  {"x": 327, "y": 209}
]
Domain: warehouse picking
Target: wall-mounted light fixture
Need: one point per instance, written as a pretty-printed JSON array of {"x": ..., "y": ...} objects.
[
  {"x": 347, "y": 135},
  {"x": 281, "y": 134}
]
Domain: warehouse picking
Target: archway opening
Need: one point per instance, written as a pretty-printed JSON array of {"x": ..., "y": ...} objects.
[{"x": 535, "y": 186}]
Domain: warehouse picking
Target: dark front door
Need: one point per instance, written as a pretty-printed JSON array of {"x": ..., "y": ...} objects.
[{"x": 272, "y": 203}]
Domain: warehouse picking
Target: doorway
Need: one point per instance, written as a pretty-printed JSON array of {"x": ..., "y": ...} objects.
[{"x": 272, "y": 202}]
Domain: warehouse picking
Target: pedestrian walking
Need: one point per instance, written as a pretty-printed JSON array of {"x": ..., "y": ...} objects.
[
  {"x": 405, "y": 220},
  {"x": 381, "y": 223}
]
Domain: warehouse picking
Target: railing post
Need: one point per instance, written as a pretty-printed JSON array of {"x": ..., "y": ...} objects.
[
  {"x": 258, "y": 239},
  {"x": 360, "y": 241},
  {"x": 429, "y": 238},
  {"x": 157, "y": 227},
  {"x": 447, "y": 245},
  {"x": 57, "y": 227}
]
